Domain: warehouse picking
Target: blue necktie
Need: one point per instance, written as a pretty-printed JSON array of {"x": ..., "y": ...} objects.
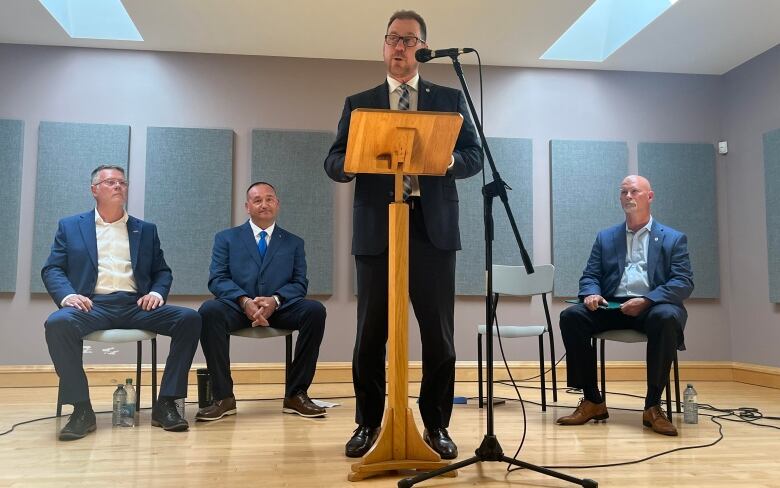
[{"x": 262, "y": 246}]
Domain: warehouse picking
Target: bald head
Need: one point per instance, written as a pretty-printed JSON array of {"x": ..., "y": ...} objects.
[
  {"x": 636, "y": 180},
  {"x": 636, "y": 195}
]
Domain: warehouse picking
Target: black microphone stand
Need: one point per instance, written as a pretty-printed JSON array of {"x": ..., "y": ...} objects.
[{"x": 490, "y": 449}]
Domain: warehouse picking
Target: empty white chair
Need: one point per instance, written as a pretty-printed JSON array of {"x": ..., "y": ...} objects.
[{"x": 513, "y": 280}]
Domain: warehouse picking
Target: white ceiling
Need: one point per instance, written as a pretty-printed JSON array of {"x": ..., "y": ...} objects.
[{"x": 693, "y": 36}]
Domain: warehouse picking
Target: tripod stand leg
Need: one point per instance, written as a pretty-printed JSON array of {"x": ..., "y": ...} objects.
[
  {"x": 587, "y": 483},
  {"x": 409, "y": 482}
]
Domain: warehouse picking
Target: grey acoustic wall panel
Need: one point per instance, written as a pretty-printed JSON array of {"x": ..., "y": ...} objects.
[
  {"x": 585, "y": 177},
  {"x": 683, "y": 180},
  {"x": 11, "y": 147},
  {"x": 292, "y": 162},
  {"x": 189, "y": 183},
  {"x": 67, "y": 154},
  {"x": 772, "y": 182},
  {"x": 513, "y": 158}
]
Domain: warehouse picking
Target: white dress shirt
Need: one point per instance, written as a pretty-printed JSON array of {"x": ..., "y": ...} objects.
[
  {"x": 115, "y": 270},
  {"x": 256, "y": 231}
]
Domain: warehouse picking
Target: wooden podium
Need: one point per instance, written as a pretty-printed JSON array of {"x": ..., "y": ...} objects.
[{"x": 399, "y": 143}]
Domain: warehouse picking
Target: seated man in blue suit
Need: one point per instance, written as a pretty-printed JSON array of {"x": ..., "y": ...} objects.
[
  {"x": 106, "y": 271},
  {"x": 643, "y": 265},
  {"x": 258, "y": 276}
]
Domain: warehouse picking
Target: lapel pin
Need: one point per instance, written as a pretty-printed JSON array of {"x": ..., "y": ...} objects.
[{"x": 427, "y": 90}]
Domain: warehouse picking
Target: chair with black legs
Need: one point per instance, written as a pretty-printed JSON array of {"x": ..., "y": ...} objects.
[
  {"x": 633, "y": 336},
  {"x": 121, "y": 336},
  {"x": 513, "y": 280},
  {"x": 267, "y": 332}
]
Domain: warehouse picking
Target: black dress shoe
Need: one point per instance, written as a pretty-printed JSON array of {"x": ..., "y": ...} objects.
[
  {"x": 440, "y": 441},
  {"x": 80, "y": 423},
  {"x": 362, "y": 440},
  {"x": 165, "y": 415}
]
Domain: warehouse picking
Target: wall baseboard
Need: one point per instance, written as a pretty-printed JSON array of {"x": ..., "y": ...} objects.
[{"x": 341, "y": 372}]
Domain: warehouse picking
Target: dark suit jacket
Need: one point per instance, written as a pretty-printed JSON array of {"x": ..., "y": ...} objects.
[
  {"x": 668, "y": 266},
  {"x": 72, "y": 264},
  {"x": 438, "y": 193},
  {"x": 237, "y": 270}
]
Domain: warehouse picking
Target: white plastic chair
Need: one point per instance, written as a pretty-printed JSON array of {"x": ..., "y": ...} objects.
[
  {"x": 513, "y": 280},
  {"x": 120, "y": 336}
]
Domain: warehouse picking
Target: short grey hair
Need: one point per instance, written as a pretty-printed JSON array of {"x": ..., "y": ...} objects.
[{"x": 93, "y": 178}]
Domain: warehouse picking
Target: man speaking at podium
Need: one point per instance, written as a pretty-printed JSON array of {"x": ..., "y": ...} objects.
[{"x": 433, "y": 239}]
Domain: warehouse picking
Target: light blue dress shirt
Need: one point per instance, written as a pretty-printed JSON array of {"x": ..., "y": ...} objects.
[{"x": 635, "y": 282}]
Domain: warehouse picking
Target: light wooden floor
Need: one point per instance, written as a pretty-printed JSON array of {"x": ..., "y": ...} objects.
[{"x": 263, "y": 447}]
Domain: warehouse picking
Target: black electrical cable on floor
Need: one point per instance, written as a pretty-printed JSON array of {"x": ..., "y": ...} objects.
[
  {"x": 39, "y": 419},
  {"x": 637, "y": 461},
  {"x": 748, "y": 415}
]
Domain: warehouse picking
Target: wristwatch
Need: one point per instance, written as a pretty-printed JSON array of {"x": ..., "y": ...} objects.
[{"x": 278, "y": 301}]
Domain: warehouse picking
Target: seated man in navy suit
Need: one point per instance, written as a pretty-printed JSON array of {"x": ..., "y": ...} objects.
[
  {"x": 643, "y": 265},
  {"x": 258, "y": 276},
  {"x": 106, "y": 271}
]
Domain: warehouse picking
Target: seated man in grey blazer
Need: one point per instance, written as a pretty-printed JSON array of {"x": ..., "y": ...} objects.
[
  {"x": 258, "y": 278},
  {"x": 644, "y": 265},
  {"x": 106, "y": 271}
]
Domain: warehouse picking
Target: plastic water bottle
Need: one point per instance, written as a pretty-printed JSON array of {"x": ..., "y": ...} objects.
[
  {"x": 690, "y": 405},
  {"x": 128, "y": 412},
  {"x": 120, "y": 400}
]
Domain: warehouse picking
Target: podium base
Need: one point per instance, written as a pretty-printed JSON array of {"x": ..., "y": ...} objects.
[
  {"x": 363, "y": 471},
  {"x": 399, "y": 447}
]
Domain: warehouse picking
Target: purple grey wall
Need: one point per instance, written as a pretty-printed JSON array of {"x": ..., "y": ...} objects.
[
  {"x": 751, "y": 107},
  {"x": 242, "y": 92}
]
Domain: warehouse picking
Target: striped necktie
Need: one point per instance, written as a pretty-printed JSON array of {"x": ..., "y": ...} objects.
[{"x": 403, "y": 104}]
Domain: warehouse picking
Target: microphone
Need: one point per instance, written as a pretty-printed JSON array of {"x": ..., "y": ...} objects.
[{"x": 425, "y": 55}]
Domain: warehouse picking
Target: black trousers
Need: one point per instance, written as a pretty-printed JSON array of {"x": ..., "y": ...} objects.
[
  {"x": 662, "y": 323},
  {"x": 66, "y": 327},
  {"x": 432, "y": 294},
  {"x": 220, "y": 319}
]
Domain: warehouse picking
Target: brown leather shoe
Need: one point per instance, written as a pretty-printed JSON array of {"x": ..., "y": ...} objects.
[
  {"x": 217, "y": 410},
  {"x": 655, "y": 418},
  {"x": 301, "y": 404},
  {"x": 585, "y": 412}
]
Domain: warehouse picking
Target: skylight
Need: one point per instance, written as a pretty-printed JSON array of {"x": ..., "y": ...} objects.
[
  {"x": 93, "y": 19},
  {"x": 604, "y": 27}
]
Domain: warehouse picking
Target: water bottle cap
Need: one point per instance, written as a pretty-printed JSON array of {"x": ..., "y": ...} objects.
[
  {"x": 690, "y": 385},
  {"x": 129, "y": 381}
]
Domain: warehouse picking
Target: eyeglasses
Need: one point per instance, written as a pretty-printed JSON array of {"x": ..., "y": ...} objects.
[
  {"x": 112, "y": 182},
  {"x": 409, "y": 41}
]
